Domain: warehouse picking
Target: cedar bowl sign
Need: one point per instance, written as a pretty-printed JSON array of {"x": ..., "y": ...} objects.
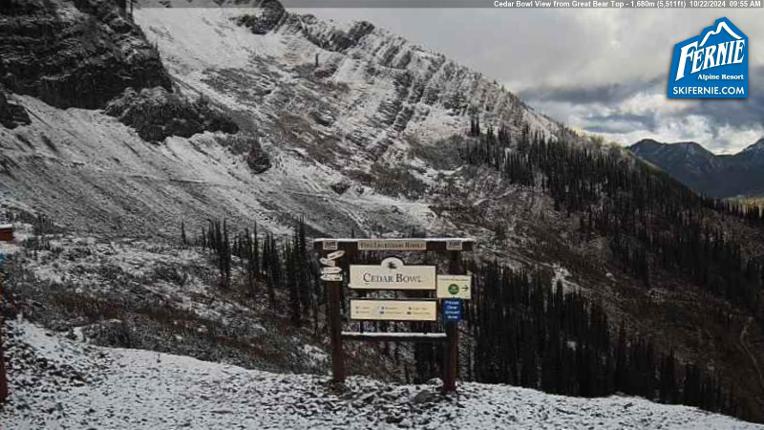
[{"x": 392, "y": 274}]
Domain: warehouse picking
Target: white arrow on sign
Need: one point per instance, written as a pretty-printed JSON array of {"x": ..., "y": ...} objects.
[
  {"x": 335, "y": 255},
  {"x": 331, "y": 277},
  {"x": 331, "y": 269},
  {"x": 327, "y": 262}
]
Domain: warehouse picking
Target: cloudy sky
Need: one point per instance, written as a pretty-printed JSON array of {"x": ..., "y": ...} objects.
[{"x": 599, "y": 70}]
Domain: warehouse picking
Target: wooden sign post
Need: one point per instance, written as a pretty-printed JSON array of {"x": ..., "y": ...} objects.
[
  {"x": 335, "y": 330},
  {"x": 393, "y": 274},
  {"x": 452, "y": 332},
  {"x": 3, "y": 375}
]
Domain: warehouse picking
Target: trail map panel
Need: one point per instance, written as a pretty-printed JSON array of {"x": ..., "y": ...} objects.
[{"x": 393, "y": 310}]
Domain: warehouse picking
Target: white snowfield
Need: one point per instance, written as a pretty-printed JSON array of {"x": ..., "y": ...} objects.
[{"x": 59, "y": 383}]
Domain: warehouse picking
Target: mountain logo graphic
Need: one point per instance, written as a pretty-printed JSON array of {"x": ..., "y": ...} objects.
[{"x": 711, "y": 65}]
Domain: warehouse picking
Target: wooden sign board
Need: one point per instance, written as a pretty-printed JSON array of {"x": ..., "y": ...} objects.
[
  {"x": 393, "y": 310},
  {"x": 392, "y": 274},
  {"x": 327, "y": 262},
  {"x": 454, "y": 245},
  {"x": 392, "y": 245},
  {"x": 454, "y": 287},
  {"x": 330, "y": 245},
  {"x": 435, "y": 244},
  {"x": 331, "y": 277}
]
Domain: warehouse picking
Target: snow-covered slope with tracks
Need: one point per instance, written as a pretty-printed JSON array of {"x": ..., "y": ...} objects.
[
  {"x": 62, "y": 383},
  {"x": 356, "y": 142}
]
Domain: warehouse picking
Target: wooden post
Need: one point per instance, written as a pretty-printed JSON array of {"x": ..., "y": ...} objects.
[
  {"x": 3, "y": 375},
  {"x": 451, "y": 358},
  {"x": 451, "y": 353},
  {"x": 335, "y": 331}
]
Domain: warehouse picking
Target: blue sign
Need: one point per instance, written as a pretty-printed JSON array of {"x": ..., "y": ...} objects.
[
  {"x": 711, "y": 65},
  {"x": 452, "y": 310}
]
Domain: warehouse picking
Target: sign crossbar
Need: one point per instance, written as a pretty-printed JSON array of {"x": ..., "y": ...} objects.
[{"x": 395, "y": 336}]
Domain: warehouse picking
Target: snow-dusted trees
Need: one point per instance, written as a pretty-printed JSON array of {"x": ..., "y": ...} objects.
[
  {"x": 250, "y": 252},
  {"x": 528, "y": 334},
  {"x": 3, "y": 375},
  {"x": 474, "y": 126},
  {"x": 218, "y": 241},
  {"x": 278, "y": 266}
]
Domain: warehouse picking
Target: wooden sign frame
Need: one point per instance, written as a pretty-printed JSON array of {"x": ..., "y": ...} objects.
[{"x": 453, "y": 247}]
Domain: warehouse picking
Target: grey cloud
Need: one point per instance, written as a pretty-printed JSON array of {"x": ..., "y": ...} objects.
[
  {"x": 604, "y": 109},
  {"x": 603, "y": 93},
  {"x": 621, "y": 123},
  {"x": 749, "y": 112}
]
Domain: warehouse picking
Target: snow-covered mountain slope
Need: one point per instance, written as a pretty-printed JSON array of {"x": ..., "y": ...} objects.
[
  {"x": 63, "y": 383},
  {"x": 356, "y": 143},
  {"x": 90, "y": 172},
  {"x": 166, "y": 297},
  {"x": 348, "y": 87}
]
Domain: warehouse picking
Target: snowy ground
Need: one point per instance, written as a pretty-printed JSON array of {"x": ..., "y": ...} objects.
[{"x": 60, "y": 383}]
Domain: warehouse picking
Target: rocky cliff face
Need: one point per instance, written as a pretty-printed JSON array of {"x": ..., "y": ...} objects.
[
  {"x": 74, "y": 54},
  {"x": 157, "y": 114},
  {"x": 11, "y": 114},
  {"x": 330, "y": 89}
]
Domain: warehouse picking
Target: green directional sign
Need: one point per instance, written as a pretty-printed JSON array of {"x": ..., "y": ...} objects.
[{"x": 455, "y": 287}]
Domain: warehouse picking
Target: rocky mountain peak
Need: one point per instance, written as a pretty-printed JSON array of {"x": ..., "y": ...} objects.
[
  {"x": 684, "y": 150},
  {"x": 692, "y": 147},
  {"x": 706, "y": 172},
  {"x": 757, "y": 147}
]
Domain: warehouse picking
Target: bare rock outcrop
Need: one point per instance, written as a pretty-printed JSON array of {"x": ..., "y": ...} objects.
[
  {"x": 156, "y": 114},
  {"x": 79, "y": 54},
  {"x": 11, "y": 114}
]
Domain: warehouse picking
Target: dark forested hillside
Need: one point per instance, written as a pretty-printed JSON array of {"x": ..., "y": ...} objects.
[
  {"x": 652, "y": 222},
  {"x": 653, "y": 226},
  {"x": 529, "y": 334}
]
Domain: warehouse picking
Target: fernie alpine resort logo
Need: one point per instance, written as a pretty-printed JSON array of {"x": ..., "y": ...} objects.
[{"x": 711, "y": 65}]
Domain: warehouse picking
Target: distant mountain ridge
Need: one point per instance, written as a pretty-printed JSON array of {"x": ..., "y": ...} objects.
[{"x": 720, "y": 176}]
